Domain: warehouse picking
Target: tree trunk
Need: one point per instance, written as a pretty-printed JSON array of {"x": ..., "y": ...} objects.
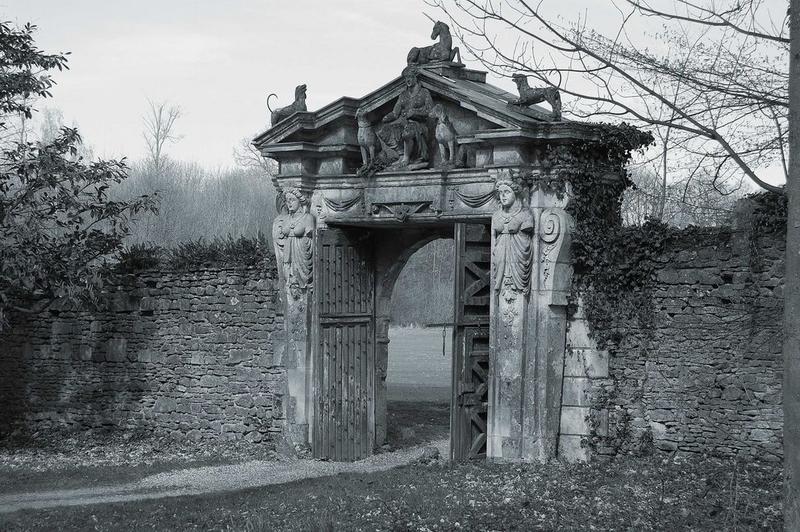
[{"x": 791, "y": 339}]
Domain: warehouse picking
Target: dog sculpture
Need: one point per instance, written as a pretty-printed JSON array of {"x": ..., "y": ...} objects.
[
  {"x": 298, "y": 105},
  {"x": 445, "y": 135},
  {"x": 529, "y": 96},
  {"x": 367, "y": 139}
]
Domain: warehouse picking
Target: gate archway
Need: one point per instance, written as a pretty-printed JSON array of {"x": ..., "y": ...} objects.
[{"x": 365, "y": 182}]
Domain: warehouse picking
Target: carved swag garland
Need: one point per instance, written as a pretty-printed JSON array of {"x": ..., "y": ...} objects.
[
  {"x": 292, "y": 235},
  {"x": 512, "y": 228}
]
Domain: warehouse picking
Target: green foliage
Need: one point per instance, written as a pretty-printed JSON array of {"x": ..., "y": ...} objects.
[
  {"x": 24, "y": 69},
  {"x": 610, "y": 150},
  {"x": 769, "y": 212},
  {"x": 57, "y": 222},
  {"x": 241, "y": 252},
  {"x": 613, "y": 264},
  {"x": 139, "y": 257}
]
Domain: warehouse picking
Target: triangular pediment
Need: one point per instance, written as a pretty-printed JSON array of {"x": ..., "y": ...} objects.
[{"x": 463, "y": 91}]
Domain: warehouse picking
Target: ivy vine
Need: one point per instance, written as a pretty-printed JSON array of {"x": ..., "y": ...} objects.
[{"x": 613, "y": 264}]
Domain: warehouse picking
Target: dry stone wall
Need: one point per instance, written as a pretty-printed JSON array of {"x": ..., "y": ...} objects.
[
  {"x": 186, "y": 353},
  {"x": 705, "y": 375}
]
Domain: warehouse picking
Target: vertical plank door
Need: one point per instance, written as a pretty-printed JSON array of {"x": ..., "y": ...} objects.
[{"x": 344, "y": 358}]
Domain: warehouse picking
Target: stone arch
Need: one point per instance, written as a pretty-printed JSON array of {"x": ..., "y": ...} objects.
[{"x": 393, "y": 253}]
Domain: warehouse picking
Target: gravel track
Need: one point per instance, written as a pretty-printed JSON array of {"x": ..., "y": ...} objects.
[{"x": 212, "y": 479}]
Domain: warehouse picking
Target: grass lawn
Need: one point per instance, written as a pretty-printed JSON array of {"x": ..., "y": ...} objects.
[{"x": 627, "y": 493}]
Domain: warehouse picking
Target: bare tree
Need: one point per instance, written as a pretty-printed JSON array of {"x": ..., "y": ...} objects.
[
  {"x": 791, "y": 326},
  {"x": 247, "y": 156},
  {"x": 717, "y": 73},
  {"x": 159, "y": 129},
  {"x": 680, "y": 203}
]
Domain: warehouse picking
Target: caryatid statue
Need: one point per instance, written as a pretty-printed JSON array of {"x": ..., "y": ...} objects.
[
  {"x": 512, "y": 229},
  {"x": 292, "y": 236}
]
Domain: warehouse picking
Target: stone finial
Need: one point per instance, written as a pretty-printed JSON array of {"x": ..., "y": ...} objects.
[
  {"x": 298, "y": 105},
  {"x": 441, "y": 51},
  {"x": 529, "y": 96}
]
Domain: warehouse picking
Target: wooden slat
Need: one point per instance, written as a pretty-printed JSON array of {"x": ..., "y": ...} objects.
[
  {"x": 344, "y": 365},
  {"x": 346, "y": 393},
  {"x": 472, "y": 262},
  {"x": 358, "y": 447},
  {"x": 370, "y": 393}
]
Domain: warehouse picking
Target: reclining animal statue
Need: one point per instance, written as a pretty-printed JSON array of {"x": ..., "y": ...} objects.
[
  {"x": 530, "y": 96},
  {"x": 298, "y": 105},
  {"x": 441, "y": 51}
]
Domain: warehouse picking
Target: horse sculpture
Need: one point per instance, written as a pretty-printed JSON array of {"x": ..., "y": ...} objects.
[{"x": 441, "y": 51}]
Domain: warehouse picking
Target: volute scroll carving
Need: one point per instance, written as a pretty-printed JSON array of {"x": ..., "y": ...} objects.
[
  {"x": 550, "y": 226},
  {"x": 555, "y": 231}
]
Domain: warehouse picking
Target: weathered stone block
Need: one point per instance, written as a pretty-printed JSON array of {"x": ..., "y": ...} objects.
[
  {"x": 586, "y": 363},
  {"x": 571, "y": 449},
  {"x": 240, "y": 355},
  {"x": 578, "y": 334},
  {"x": 165, "y": 405},
  {"x": 576, "y": 391},
  {"x": 211, "y": 381},
  {"x": 244, "y": 401},
  {"x": 116, "y": 349},
  {"x": 574, "y": 420}
]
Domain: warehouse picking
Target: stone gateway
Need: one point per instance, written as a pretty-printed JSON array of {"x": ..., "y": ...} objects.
[
  {"x": 436, "y": 153},
  {"x": 295, "y": 351}
]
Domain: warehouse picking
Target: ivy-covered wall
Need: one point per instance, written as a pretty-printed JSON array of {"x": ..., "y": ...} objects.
[
  {"x": 687, "y": 357},
  {"x": 187, "y": 351}
]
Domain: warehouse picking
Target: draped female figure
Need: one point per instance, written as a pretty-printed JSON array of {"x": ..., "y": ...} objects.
[
  {"x": 512, "y": 228},
  {"x": 292, "y": 235}
]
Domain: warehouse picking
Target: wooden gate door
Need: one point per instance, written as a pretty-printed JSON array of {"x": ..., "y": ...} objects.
[
  {"x": 470, "y": 399},
  {"x": 344, "y": 358}
]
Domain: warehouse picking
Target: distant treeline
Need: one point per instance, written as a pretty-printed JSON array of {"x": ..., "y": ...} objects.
[
  {"x": 197, "y": 203},
  {"x": 219, "y": 205},
  {"x": 423, "y": 293}
]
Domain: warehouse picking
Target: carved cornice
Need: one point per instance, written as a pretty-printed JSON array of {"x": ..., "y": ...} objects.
[
  {"x": 308, "y": 120},
  {"x": 308, "y": 150}
]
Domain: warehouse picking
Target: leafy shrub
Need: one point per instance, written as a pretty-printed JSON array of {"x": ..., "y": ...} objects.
[{"x": 234, "y": 252}]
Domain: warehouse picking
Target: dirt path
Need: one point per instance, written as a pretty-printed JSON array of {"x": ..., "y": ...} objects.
[{"x": 211, "y": 479}]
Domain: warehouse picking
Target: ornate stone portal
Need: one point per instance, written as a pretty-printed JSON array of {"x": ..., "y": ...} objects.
[{"x": 367, "y": 182}]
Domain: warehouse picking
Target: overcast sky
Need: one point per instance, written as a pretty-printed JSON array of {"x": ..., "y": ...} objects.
[{"x": 217, "y": 60}]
